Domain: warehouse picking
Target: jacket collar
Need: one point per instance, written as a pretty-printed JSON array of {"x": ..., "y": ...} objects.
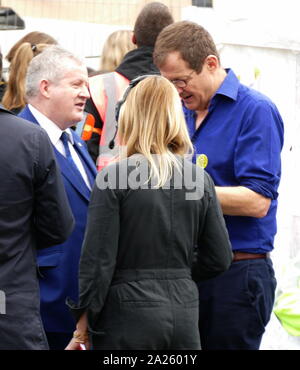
[
  {"x": 137, "y": 62},
  {"x": 5, "y": 110}
]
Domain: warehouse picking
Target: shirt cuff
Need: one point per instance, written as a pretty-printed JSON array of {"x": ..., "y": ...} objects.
[{"x": 262, "y": 188}]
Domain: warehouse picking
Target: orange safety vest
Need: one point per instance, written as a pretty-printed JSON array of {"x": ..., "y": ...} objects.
[
  {"x": 89, "y": 128},
  {"x": 105, "y": 90}
]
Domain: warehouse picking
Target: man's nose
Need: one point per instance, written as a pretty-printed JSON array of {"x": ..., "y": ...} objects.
[
  {"x": 179, "y": 89},
  {"x": 84, "y": 92}
]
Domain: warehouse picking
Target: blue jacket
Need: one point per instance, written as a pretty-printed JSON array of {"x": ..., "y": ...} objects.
[{"x": 58, "y": 265}]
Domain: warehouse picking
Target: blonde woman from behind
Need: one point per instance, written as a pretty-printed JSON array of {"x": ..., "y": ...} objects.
[{"x": 145, "y": 230}]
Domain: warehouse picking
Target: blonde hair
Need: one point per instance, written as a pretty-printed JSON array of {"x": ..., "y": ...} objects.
[
  {"x": 14, "y": 96},
  {"x": 116, "y": 46},
  {"x": 152, "y": 122}
]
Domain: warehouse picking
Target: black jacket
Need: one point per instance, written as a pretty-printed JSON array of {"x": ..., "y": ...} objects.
[
  {"x": 136, "y": 62},
  {"x": 34, "y": 212},
  {"x": 137, "y": 257}
]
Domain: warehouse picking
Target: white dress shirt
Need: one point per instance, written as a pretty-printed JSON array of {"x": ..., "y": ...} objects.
[{"x": 54, "y": 133}]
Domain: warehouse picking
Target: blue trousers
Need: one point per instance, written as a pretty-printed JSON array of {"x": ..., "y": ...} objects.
[{"x": 236, "y": 306}]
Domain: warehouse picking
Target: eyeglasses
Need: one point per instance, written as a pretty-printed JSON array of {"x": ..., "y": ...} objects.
[{"x": 182, "y": 83}]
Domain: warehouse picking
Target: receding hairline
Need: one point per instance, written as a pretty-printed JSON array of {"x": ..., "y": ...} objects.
[{"x": 178, "y": 37}]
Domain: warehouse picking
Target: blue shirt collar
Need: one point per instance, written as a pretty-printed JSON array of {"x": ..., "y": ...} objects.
[{"x": 229, "y": 86}]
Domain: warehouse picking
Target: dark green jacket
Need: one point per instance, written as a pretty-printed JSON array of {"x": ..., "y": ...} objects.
[{"x": 136, "y": 264}]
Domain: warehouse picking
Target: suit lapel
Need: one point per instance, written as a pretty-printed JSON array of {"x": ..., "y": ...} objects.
[
  {"x": 26, "y": 114},
  {"x": 80, "y": 147}
]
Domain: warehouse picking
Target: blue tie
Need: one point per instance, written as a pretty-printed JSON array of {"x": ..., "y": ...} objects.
[{"x": 65, "y": 140}]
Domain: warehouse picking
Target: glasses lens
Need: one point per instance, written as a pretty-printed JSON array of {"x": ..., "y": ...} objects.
[{"x": 179, "y": 83}]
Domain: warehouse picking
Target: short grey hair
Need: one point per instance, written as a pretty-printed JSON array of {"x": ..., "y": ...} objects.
[{"x": 50, "y": 65}]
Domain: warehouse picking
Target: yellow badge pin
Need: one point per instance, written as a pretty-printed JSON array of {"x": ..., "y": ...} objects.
[{"x": 202, "y": 160}]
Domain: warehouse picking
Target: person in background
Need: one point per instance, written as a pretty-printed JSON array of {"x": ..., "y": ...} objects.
[
  {"x": 14, "y": 95},
  {"x": 106, "y": 89},
  {"x": 136, "y": 287},
  {"x": 34, "y": 214},
  {"x": 237, "y": 133},
  {"x": 14, "y": 98},
  {"x": 33, "y": 38},
  {"x": 117, "y": 45},
  {"x": 56, "y": 91}
]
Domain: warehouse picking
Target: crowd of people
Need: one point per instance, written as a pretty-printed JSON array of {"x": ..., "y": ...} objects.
[{"x": 152, "y": 227}]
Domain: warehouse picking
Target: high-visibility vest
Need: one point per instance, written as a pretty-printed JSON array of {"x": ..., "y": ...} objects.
[
  {"x": 105, "y": 90},
  {"x": 86, "y": 127}
]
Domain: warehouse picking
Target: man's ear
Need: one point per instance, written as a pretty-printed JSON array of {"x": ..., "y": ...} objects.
[
  {"x": 44, "y": 88},
  {"x": 133, "y": 39},
  {"x": 212, "y": 62}
]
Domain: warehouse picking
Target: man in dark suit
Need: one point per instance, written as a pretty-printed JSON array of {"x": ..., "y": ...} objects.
[
  {"x": 56, "y": 91},
  {"x": 34, "y": 213}
]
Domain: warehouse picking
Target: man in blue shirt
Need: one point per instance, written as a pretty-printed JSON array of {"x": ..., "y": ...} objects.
[{"x": 238, "y": 135}]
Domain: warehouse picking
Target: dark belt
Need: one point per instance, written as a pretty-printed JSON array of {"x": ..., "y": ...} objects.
[{"x": 239, "y": 256}]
